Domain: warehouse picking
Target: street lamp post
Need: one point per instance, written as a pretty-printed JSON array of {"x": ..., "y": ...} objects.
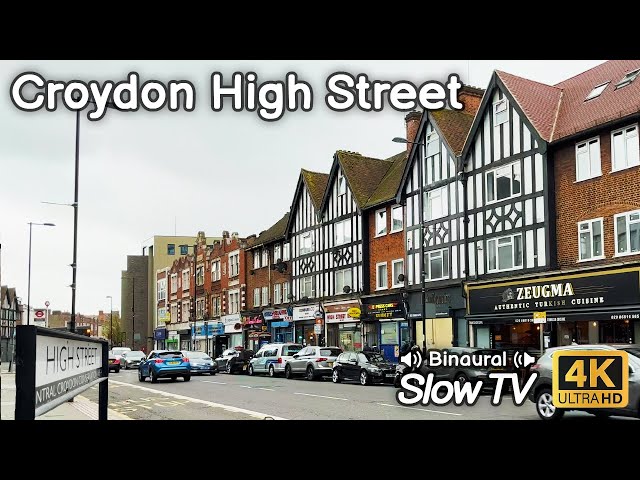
[
  {"x": 133, "y": 313},
  {"x": 31, "y": 224},
  {"x": 111, "y": 323}
]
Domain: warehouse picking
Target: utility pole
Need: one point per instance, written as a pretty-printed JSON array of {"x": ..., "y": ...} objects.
[
  {"x": 74, "y": 265},
  {"x": 133, "y": 313}
]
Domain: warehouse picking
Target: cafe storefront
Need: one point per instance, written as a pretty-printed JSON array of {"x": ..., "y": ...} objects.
[
  {"x": 304, "y": 319},
  {"x": 254, "y": 330},
  {"x": 386, "y": 315},
  {"x": 587, "y": 307},
  {"x": 344, "y": 328},
  {"x": 280, "y": 324}
]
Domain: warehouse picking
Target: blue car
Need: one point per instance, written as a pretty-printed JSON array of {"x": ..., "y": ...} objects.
[{"x": 164, "y": 364}]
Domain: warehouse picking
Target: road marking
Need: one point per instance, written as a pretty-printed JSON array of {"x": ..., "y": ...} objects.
[
  {"x": 244, "y": 386},
  {"x": 267, "y": 389},
  {"x": 228, "y": 408},
  {"x": 211, "y": 381},
  {"x": 321, "y": 396},
  {"x": 420, "y": 409}
]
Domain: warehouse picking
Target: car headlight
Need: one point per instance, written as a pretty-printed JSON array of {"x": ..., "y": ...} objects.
[
  {"x": 375, "y": 370},
  {"x": 215, "y": 364}
]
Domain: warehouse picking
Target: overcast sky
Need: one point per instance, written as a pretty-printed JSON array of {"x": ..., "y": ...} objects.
[{"x": 159, "y": 173}]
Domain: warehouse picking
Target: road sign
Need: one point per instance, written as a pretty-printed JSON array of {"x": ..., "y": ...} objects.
[
  {"x": 46, "y": 304},
  {"x": 39, "y": 314},
  {"x": 539, "y": 317},
  {"x": 317, "y": 329},
  {"x": 318, "y": 314}
]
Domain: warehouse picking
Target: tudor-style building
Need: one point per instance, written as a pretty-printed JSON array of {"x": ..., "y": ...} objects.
[
  {"x": 580, "y": 172},
  {"x": 433, "y": 192}
]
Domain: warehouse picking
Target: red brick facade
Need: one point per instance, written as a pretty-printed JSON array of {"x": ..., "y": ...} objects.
[
  {"x": 220, "y": 252},
  {"x": 385, "y": 248},
  {"x": 265, "y": 276},
  {"x": 602, "y": 196}
]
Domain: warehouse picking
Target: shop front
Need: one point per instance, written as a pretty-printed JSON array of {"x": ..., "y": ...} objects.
[
  {"x": 160, "y": 337},
  {"x": 386, "y": 316},
  {"x": 173, "y": 340},
  {"x": 280, "y": 324},
  {"x": 588, "y": 307},
  {"x": 304, "y": 319},
  {"x": 232, "y": 333},
  {"x": 185, "y": 338},
  {"x": 204, "y": 335},
  {"x": 344, "y": 328},
  {"x": 254, "y": 331}
]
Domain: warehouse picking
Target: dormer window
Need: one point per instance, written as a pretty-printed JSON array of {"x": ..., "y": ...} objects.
[
  {"x": 500, "y": 112},
  {"x": 342, "y": 184},
  {"x": 597, "y": 91},
  {"x": 628, "y": 78}
]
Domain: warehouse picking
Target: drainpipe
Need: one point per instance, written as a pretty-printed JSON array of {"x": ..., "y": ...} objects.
[{"x": 462, "y": 175}]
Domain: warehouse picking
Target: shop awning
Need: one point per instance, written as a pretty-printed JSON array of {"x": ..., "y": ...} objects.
[{"x": 570, "y": 315}]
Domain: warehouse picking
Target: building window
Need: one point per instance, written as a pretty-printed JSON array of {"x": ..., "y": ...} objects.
[
  {"x": 625, "y": 148},
  {"x": 200, "y": 275},
  {"x": 397, "y": 219},
  {"x": 256, "y": 297},
  {"x": 174, "y": 283},
  {"x": 285, "y": 292},
  {"x": 308, "y": 287},
  {"x": 215, "y": 306},
  {"x": 504, "y": 182},
  {"x": 286, "y": 252},
  {"x": 342, "y": 232},
  {"x": 277, "y": 255},
  {"x": 504, "y": 253},
  {"x": 215, "y": 270},
  {"x": 171, "y": 249},
  {"x": 500, "y": 112},
  {"x": 186, "y": 274},
  {"x": 234, "y": 264},
  {"x": 590, "y": 239},
  {"x": 433, "y": 163},
  {"x": 265, "y": 295},
  {"x": 436, "y": 204},
  {"x": 437, "y": 264},
  {"x": 343, "y": 279},
  {"x": 628, "y": 78},
  {"x": 381, "y": 222},
  {"x": 256, "y": 259},
  {"x": 186, "y": 312},
  {"x": 162, "y": 289},
  {"x": 627, "y": 231},
  {"x": 342, "y": 183},
  {"x": 381, "y": 276},
  {"x": 588, "y": 159},
  {"x": 234, "y": 301},
  {"x": 174, "y": 313},
  {"x": 397, "y": 269},
  {"x": 277, "y": 294},
  {"x": 184, "y": 249},
  {"x": 306, "y": 243},
  {"x": 200, "y": 308},
  {"x": 265, "y": 257},
  {"x": 597, "y": 91}
]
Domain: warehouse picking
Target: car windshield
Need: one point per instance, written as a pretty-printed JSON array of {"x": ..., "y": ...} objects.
[
  {"x": 198, "y": 355},
  {"x": 170, "y": 355},
  {"x": 291, "y": 349},
  {"x": 374, "y": 357},
  {"x": 135, "y": 354},
  {"x": 330, "y": 352},
  {"x": 120, "y": 351},
  {"x": 633, "y": 351}
]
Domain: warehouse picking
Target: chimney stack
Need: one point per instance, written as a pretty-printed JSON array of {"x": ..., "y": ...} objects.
[
  {"x": 412, "y": 122},
  {"x": 225, "y": 234},
  {"x": 471, "y": 97}
]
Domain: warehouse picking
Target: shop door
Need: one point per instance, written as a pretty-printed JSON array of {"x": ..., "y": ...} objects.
[
  {"x": 483, "y": 337},
  {"x": 612, "y": 331}
]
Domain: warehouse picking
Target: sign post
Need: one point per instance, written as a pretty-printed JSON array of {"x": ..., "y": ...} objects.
[
  {"x": 540, "y": 318},
  {"x": 54, "y": 366}
]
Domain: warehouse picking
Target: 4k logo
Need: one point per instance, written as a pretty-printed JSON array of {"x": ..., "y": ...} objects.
[{"x": 590, "y": 379}]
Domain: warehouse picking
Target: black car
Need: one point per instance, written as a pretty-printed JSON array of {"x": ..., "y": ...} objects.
[
  {"x": 114, "y": 363},
  {"x": 240, "y": 362},
  {"x": 201, "y": 363},
  {"x": 364, "y": 367}
]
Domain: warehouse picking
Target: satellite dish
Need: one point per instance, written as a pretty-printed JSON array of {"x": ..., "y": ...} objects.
[
  {"x": 346, "y": 289},
  {"x": 401, "y": 277}
]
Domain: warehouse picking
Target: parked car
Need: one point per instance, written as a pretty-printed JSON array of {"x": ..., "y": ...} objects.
[
  {"x": 541, "y": 394},
  {"x": 272, "y": 358},
  {"x": 224, "y": 358},
  {"x": 365, "y": 367},
  {"x": 114, "y": 363},
  {"x": 164, "y": 363},
  {"x": 239, "y": 363},
  {"x": 201, "y": 363},
  {"x": 118, "y": 351},
  {"x": 131, "y": 359},
  {"x": 313, "y": 362}
]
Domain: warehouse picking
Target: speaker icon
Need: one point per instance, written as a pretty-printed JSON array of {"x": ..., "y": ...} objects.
[
  {"x": 523, "y": 359},
  {"x": 412, "y": 359}
]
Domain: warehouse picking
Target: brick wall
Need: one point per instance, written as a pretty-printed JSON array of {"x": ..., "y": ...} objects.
[
  {"x": 603, "y": 196},
  {"x": 264, "y": 276},
  {"x": 383, "y": 249}
]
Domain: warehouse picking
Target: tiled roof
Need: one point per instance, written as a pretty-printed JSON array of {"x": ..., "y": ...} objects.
[
  {"x": 455, "y": 126},
  {"x": 364, "y": 174},
  {"x": 275, "y": 232},
  {"x": 316, "y": 184},
  {"x": 561, "y": 110},
  {"x": 538, "y": 101},
  {"x": 388, "y": 186}
]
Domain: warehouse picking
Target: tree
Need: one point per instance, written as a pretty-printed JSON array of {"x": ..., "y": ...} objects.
[{"x": 118, "y": 335}]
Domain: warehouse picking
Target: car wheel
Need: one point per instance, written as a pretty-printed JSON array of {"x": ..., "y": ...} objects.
[
  {"x": 250, "y": 370},
  {"x": 154, "y": 377},
  {"x": 335, "y": 376},
  {"x": 118, "y": 370},
  {"x": 173, "y": 378},
  {"x": 212, "y": 373},
  {"x": 396, "y": 381},
  {"x": 311, "y": 376},
  {"x": 287, "y": 372},
  {"x": 272, "y": 371},
  {"x": 461, "y": 378},
  {"x": 187, "y": 378},
  {"x": 545, "y": 407},
  {"x": 140, "y": 376},
  {"x": 228, "y": 368},
  {"x": 126, "y": 367},
  {"x": 364, "y": 377}
]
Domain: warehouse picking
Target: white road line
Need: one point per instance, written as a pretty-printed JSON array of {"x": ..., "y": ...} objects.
[
  {"x": 267, "y": 389},
  {"x": 228, "y": 408},
  {"x": 211, "y": 381},
  {"x": 244, "y": 386},
  {"x": 420, "y": 409},
  {"x": 321, "y": 396}
]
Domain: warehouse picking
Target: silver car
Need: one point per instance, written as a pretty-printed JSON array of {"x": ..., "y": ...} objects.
[
  {"x": 223, "y": 360},
  {"x": 313, "y": 362},
  {"x": 542, "y": 396},
  {"x": 272, "y": 358},
  {"x": 131, "y": 359}
]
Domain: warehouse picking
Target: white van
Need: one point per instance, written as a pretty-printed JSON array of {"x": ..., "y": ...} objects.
[{"x": 272, "y": 358}]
